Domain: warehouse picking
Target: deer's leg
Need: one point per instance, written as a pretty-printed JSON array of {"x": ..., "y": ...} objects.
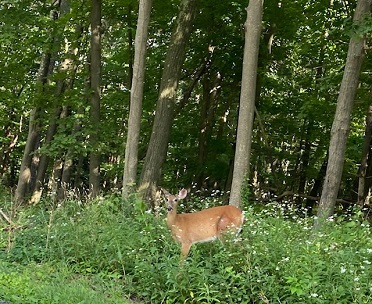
[{"x": 185, "y": 248}]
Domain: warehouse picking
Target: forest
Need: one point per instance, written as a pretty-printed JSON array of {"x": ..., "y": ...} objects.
[{"x": 263, "y": 105}]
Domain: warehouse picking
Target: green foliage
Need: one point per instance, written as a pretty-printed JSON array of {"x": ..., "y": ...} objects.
[
  {"x": 52, "y": 284},
  {"x": 99, "y": 252},
  {"x": 298, "y": 84}
]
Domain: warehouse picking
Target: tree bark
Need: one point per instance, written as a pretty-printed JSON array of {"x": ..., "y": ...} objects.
[
  {"x": 253, "y": 29},
  {"x": 136, "y": 97},
  {"x": 341, "y": 122},
  {"x": 157, "y": 148},
  {"x": 95, "y": 83}
]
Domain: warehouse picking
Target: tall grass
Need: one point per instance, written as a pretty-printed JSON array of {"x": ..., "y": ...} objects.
[{"x": 100, "y": 244}]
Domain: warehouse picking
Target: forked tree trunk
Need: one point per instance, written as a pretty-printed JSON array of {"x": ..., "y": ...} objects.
[
  {"x": 46, "y": 68},
  {"x": 157, "y": 148},
  {"x": 95, "y": 84},
  {"x": 253, "y": 29},
  {"x": 61, "y": 86},
  {"x": 341, "y": 123},
  {"x": 136, "y": 96}
]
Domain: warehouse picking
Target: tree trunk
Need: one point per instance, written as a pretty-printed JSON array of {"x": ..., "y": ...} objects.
[
  {"x": 25, "y": 171},
  {"x": 247, "y": 99},
  {"x": 204, "y": 128},
  {"x": 364, "y": 174},
  {"x": 63, "y": 6},
  {"x": 316, "y": 189},
  {"x": 130, "y": 39},
  {"x": 208, "y": 108},
  {"x": 44, "y": 159},
  {"x": 304, "y": 161},
  {"x": 341, "y": 122},
  {"x": 7, "y": 149},
  {"x": 70, "y": 66},
  {"x": 136, "y": 96},
  {"x": 157, "y": 148},
  {"x": 95, "y": 83}
]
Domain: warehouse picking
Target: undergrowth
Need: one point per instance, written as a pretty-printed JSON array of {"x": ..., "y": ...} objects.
[{"x": 107, "y": 252}]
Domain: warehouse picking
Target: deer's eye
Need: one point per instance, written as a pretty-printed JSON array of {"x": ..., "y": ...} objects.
[{"x": 176, "y": 199}]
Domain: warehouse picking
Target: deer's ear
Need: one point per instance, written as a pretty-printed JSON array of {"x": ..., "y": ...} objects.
[
  {"x": 166, "y": 193},
  {"x": 182, "y": 194}
]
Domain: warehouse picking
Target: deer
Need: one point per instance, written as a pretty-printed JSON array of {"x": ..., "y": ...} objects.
[{"x": 202, "y": 226}]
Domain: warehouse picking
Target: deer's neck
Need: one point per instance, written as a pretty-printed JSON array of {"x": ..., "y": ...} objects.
[{"x": 172, "y": 216}]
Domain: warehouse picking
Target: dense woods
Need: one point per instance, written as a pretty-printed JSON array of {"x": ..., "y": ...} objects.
[
  {"x": 264, "y": 105},
  {"x": 66, "y": 77}
]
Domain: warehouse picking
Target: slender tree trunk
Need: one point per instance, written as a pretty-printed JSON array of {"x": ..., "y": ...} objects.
[
  {"x": 130, "y": 39},
  {"x": 44, "y": 159},
  {"x": 196, "y": 76},
  {"x": 304, "y": 161},
  {"x": 208, "y": 107},
  {"x": 253, "y": 29},
  {"x": 70, "y": 67},
  {"x": 136, "y": 96},
  {"x": 7, "y": 149},
  {"x": 25, "y": 171},
  {"x": 157, "y": 149},
  {"x": 203, "y": 128},
  {"x": 68, "y": 162},
  {"x": 95, "y": 84},
  {"x": 316, "y": 189},
  {"x": 365, "y": 179},
  {"x": 341, "y": 122}
]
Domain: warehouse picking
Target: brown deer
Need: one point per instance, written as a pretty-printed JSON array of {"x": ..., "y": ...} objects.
[{"x": 203, "y": 226}]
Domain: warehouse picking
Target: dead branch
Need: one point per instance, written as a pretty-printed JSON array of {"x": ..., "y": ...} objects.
[
  {"x": 6, "y": 217},
  {"x": 314, "y": 198}
]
